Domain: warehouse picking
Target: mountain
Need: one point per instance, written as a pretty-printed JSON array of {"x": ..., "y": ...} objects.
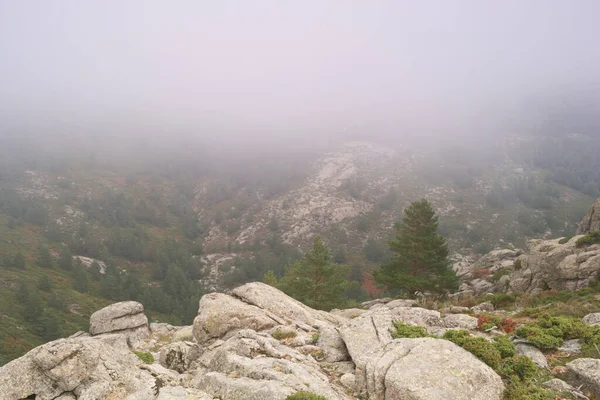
[{"x": 163, "y": 226}]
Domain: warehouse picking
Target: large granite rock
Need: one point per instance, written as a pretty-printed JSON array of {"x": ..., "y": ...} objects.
[
  {"x": 85, "y": 367},
  {"x": 591, "y": 221},
  {"x": 587, "y": 370},
  {"x": 220, "y": 314},
  {"x": 251, "y": 365},
  {"x": 283, "y": 306},
  {"x": 555, "y": 264},
  {"x": 533, "y": 353},
  {"x": 125, "y": 318},
  {"x": 426, "y": 368}
]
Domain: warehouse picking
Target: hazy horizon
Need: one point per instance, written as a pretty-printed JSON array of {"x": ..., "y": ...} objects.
[{"x": 240, "y": 72}]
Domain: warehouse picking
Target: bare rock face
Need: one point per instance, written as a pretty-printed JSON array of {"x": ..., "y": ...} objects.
[
  {"x": 587, "y": 370},
  {"x": 592, "y": 319},
  {"x": 84, "y": 368},
  {"x": 254, "y": 366},
  {"x": 283, "y": 306},
  {"x": 591, "y": 221},
  {"x": 397, "y": 371},
  {"x": 555, "y": 264},
  {"x": 219, "y": 314},
  {"x": 125, "y": 318}
]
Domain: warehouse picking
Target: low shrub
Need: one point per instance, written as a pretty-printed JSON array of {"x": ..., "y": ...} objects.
[
  {"x": 520, "y": 367},
  {"x": 408, "y": 331},
  {"x": 480, "y": 347},
  {"x": 589, "y": 239},
  {"x": 499, "y": 274},
  {"x": 147, "y": 358},
  {"x": 482, "y": 273},
  {"x": 502, "y": 300},
  {"x": 565, "y": 240},
  {"x": 488, "y": 321},
  {"x": 508, "y": 325},
  {"x": 540, "y": 337},
  {"x": 504, "y": 346},
  {"x": 280, "y": 335},
  {"x": 305, "y": 396}
]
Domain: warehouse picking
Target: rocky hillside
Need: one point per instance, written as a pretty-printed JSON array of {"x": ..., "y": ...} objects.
[
  {"x": 164, "y": 229},
  {"x": 257, "y": 343}
]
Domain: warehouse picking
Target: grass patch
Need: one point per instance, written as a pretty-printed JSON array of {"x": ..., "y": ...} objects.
[
  {"x": 499, "y": 274},
  {"x": 305, "y": 396},
  {"x": 408, "y": 331},
  {"x": 565, "y": 240},
  {"x": 147, "y": 358},
  {"x": 281, "y": 335},
  {"x": 589, "y": 239}
]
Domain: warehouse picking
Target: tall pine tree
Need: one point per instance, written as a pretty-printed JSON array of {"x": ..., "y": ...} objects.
[
  {"x": 315, "y": 280},
  {"x": 420, "y": 261}
]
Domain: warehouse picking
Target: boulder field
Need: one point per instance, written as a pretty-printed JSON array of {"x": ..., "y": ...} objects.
[{"x": 255, "y": 343}]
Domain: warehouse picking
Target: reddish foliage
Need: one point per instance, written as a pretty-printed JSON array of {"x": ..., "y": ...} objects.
[
  {"x": 508, "y": 325},
  {"x": 482, "y": 273},
  {"x": 482, "y": 320},
  {"x": 370, "y": 286}
]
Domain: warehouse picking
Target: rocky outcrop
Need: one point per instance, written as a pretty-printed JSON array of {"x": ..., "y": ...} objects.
[
  {"x": 125, "y": 318},
  {"x": 591, "y": 221},
  {"x": 547, "y": 264},
  {"x": 255, "y": 343},
  {"x": 587, "y": 370},
  {"x": 533, "y": 353},
  {"x": 84, "y": 368}
]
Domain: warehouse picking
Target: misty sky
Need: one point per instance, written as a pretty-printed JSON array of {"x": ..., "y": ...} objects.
[{"x": 286, "y": 67}]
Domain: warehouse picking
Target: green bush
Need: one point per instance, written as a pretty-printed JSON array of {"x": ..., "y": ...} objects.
[
  {"x": 305, "y": 396},
  {"x": 589, "y": 239},
  {"x": 542, "y": 338},
  {"x": 280, "y": 335},
  {"x": 481, "y": 348},
  {"x": 565, "y": 240},
  {"x": 519, "y": 390},
  {"x": 499, "y": 274},
  {"x": 549, "y": 332},
  {"x": 147, "y": 358},
  {"x": 408, "y": 331},
  {"x": 520, "y": 367},
  {"x": 504, "y": 346},
  {"x": 502, "y": 300}
]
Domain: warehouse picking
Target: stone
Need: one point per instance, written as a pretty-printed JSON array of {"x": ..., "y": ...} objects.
[
  {"x": 85, "y": 367},
  {"x": 276, "y": 302},
  {"x": 454, "y": 310},
  {"x": 485, "y": 307},
  {"x": 587, "y": 370},
  {"x": 427, "y": 368},
  {"x": 533, "y": 353},
  {"x": 460, "y": 321},
  {"x": 401, "y": 303},
  {"x": 126, "y": 318},
  {"x": 558, "y": 385},
  {"x": 367, "y": 334},
  {"x": 592, "y": 319},
  {"x": 251, "y": 365},
  {"x": 175, "y": 356},
  {"x": 417, "y": 316},
  {"x": 334, "y": 348},
  {"x": 181, "y": 393},
  {"x": 218, "y": 314},
  {"x": 348, "y": 381},
  {"x": 348, "y": 313},
  {"x": 571, "y": 346},
  {"x": 591, "y": 221}
]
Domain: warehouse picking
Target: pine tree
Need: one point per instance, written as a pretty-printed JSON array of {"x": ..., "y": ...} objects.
[
  {"x": 270, "y": 278},
  {"x": 80, "y": 280},
  {"x": 44, "y": 283},
  {"x": 65, "y": 259},
  {"x": 19, "y": 261},
  {"x": 22, "y": 293},
  {"x": 44, "y": 258},
  {"x": 34, "y": 308},
  {"x": 420, "y": 262},
  {"x": 315, "y": 280},
  {"x": 50, "y": 326}
]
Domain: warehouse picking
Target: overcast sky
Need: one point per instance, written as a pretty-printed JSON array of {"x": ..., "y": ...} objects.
[{"x": 277, "y": 68}]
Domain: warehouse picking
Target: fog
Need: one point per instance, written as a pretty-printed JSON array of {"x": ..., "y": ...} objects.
[{"x": 256, "y": 72}]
